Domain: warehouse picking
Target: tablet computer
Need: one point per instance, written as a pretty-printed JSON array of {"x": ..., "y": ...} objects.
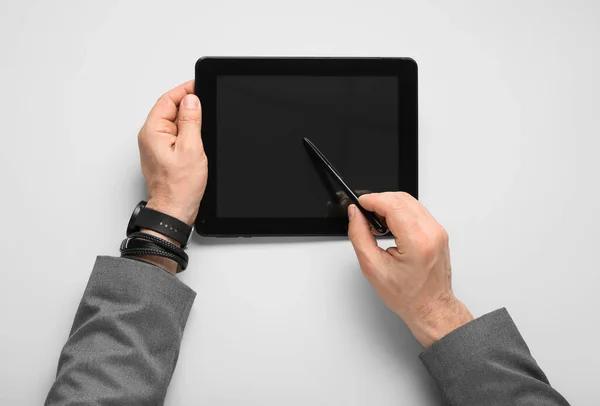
[{"x": 360, "y": 112}]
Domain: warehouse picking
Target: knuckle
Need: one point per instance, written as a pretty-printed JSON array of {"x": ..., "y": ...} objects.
[
  {"x": 368, "y": 270},
  {"x": 398, "y": 204},
  {"x": 402, "y": 199},
  {"x": 442, "y": 236},
  {"x": 162, "y": 103},
  {"x": 162, "y": 100},
  {"x": 369, "y": 264},
  {"x": 424, "y": 244},
  {"x": 165, "y": 131},
  {"x": 141, "y": 137},
  {"x": 166, "y": 127},
  {"x": 186, "y": 118},
  {"x": 428, "y": 251},
  {"x": 203, "y": 159},
  {"x": 429, "y": 244},
  {"x": 353, "y": 234}
]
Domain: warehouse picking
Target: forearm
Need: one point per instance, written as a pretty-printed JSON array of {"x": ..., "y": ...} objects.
[
  {"x": 486, "y": 362},
  {"x": 125, "y": 338}
]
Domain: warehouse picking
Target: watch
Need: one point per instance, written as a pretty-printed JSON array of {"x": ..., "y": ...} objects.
[{"x": 143, "y": 217}]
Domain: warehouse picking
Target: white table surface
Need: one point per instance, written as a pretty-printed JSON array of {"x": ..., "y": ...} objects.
[{"x": 509, "y": 142}]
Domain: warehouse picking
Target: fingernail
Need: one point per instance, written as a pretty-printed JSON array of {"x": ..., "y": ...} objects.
[
  {"x": 351, "y": 211},
  {"x": 190, "y": 102}
]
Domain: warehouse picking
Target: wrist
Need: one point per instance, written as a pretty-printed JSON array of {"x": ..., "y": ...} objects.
[
  {"x": 435, "y": 320},
  {"x": 157, "y": 236},
  {"x": 165, "y": 263},
  {"x": 143, "y": 245}
]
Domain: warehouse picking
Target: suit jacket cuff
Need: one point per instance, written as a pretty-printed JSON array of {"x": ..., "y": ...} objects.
[
  {"x": 141, "y": 282},
  {"x": 482, "y": 351}
]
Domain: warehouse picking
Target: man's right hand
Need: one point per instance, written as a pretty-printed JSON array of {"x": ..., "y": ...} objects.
[{"x": 414, "y": 277}]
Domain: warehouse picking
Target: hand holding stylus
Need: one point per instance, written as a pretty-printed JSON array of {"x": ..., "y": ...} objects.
[
  {"x": 375, "y": 222},
  {"x": 413, "y": 278}
]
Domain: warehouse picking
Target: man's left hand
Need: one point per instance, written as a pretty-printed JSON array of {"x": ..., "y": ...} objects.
[{"x": 172, "y": 155}]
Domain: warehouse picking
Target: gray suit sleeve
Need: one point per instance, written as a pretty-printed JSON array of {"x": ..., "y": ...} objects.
[
  {"x": 486, "y": 362},
  {"x": 125, "y": 338}
]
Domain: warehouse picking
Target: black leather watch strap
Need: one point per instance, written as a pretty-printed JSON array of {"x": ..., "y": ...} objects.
[{"x": 164, "y": 224}]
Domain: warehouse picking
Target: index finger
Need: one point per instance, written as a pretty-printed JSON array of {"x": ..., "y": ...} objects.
[{"x": 167, "y": 105}]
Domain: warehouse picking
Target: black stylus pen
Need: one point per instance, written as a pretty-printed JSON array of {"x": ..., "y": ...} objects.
[{"x": 370, "y": 216}]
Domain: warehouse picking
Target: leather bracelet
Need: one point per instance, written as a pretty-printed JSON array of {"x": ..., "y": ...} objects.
[
  {"x": 130, "y": 243},
  {"x": 131, "y": 247},
  {"x": 136, "y": 253},
  {"x": 168, "y": 245}
]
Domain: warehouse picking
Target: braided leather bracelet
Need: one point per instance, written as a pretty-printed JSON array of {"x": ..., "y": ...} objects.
[
  {"x": 130, "y": 247},
  {"x": 169, "y": 246}
]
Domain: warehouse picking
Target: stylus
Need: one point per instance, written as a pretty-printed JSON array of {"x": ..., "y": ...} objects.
[{"x": 376, "y": 223}]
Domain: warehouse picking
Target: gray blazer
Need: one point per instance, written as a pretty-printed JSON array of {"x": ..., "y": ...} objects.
[{"x": 125, "y": 339}]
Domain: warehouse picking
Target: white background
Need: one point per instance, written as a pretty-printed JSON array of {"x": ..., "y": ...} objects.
[{"x": 509, "y": 143}]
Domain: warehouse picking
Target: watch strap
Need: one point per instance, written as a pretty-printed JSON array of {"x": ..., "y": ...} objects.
[{"x": 163, "y": 224}]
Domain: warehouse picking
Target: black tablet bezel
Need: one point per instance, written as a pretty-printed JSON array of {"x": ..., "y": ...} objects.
[{"x": 207, "y": 70}]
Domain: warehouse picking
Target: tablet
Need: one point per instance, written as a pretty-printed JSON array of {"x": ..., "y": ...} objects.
[{"x": 360, "y": 112}]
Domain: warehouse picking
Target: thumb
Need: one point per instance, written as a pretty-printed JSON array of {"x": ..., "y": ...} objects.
[
  {"x": 363, "y": 241},
  {"x": 189, "y": 120}
]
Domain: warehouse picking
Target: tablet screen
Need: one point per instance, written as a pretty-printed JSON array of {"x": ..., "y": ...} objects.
[{"x": 264, "y": 170}]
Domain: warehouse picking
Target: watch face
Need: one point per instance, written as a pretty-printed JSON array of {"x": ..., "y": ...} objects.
[{"x": 130, "y": 227}]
